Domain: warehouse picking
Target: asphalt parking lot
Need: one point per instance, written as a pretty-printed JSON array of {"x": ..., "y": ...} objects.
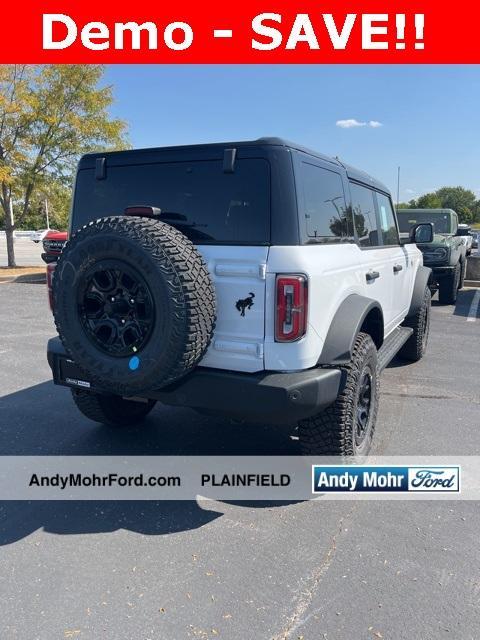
[
  {"x": 169, "y": 571},
  {"x": 27, "y": 252}
]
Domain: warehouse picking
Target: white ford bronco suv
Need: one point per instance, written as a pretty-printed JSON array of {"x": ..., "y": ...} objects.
[{"x": 258, "y": 280}]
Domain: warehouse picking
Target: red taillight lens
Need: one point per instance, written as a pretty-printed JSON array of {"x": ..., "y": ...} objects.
[
  {"x": 292, "y": 307},
  {"x": 50, "y": 271}
]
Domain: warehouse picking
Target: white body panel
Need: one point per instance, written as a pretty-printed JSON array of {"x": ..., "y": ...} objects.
[
  {"x": 247, "y": 342},
  {"x": 237, "y": 272},
  {"x": 393, "y": 289}
]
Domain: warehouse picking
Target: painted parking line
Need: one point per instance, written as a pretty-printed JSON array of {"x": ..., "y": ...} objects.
[{"x": 472, "y": 314}]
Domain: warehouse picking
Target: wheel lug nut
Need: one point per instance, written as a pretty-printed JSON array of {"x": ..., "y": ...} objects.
[
  {"x": 123, "y": 320},
  {"x": 132, "y": 300},
  {"x": 112, "y": 299}
]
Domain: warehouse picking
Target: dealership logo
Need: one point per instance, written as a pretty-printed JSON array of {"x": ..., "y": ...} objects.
[{"x": 392, "y": 479}]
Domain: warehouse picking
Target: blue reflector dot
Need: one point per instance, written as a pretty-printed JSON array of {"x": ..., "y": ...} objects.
[{"x": 134, "y": 363}]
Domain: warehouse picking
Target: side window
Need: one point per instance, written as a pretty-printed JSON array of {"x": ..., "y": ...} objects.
[
  {"x": 363, "y": 205},
  {"x": 388, "y": 227},
  {"x": 326, "y": 213},
  {"x": 454, "y": 228}
]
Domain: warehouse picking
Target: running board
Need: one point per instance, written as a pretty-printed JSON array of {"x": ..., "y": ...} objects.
[{"x": 392, "y": 345}]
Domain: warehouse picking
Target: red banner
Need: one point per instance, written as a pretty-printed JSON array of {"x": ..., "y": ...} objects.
[{"x": 255, "y": 31}]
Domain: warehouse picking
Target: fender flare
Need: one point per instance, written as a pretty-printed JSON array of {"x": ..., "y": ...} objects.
[
  {"x": 421, "y": 282},
  {"x": 345, "y": 326}
]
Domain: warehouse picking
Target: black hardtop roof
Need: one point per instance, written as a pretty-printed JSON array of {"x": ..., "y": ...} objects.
[{"x": 354, "y": 174}]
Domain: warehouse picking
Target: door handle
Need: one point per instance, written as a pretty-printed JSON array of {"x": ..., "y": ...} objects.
[
  {"x": 397, "y": 268},
  {"x": 372, "y": 275}
]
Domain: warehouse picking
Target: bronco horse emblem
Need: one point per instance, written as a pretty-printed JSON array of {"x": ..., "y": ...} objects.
[{"x": 246, "y": 303}]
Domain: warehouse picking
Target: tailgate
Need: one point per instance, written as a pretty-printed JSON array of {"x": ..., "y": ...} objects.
[{"x": 238, "y": 273}]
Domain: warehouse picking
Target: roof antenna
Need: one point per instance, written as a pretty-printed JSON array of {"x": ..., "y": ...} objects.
[{"x": 229, "y": 157}]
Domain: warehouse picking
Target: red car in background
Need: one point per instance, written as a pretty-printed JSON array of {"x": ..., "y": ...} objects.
[{"x": 53, "y": 244}]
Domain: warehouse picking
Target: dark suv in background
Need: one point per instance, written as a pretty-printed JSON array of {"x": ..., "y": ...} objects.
[{"x": 446, "y": 255}]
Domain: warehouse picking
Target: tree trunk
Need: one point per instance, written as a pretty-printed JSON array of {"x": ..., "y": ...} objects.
[{"x": 9, "y": 233}]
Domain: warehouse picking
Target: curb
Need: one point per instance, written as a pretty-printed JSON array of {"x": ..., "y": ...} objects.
[{"x": 472, "y": 283}]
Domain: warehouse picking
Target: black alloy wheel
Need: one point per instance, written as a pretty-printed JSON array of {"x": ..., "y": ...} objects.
[{"x": 116, "y": 308}]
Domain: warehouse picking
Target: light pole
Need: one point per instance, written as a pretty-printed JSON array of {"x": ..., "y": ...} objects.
[
  {"x": 398, "y": 186},
  {"x": 46, "y": 212}
]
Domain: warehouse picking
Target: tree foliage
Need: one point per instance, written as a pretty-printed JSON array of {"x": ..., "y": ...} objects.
[
  {"x": 49, "y": 116},
  {"x": 461, "y": 200}
]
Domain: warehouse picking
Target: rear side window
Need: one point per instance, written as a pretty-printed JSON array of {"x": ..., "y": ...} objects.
[
  {"x": 326, "y": 213},
  {"x": 388, "y": 227},
  {"x": 363, "y": 205},
  {"x": 206, "y": 204}
]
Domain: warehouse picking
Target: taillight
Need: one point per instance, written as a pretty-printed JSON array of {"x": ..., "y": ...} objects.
[
  {"x": 292, "y": 308},
  {"x": 50, "y": 270}
]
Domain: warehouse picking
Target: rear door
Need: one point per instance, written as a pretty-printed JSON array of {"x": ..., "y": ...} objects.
[
  {"x": 377, "y": 260},
  {"x": 398, "y": 258}
]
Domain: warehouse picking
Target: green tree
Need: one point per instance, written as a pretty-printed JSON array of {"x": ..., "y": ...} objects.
[
  {"x": 459, "y": 199},
  {"x": 49, "y": 115},
  {"x": 56, "y": 196},
  {"x": 429, "y": 201},
  {"x": 456, "y": 197}
]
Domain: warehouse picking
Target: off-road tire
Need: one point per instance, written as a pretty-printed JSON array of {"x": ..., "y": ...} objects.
[
  {"x": 179, "y": 285},
  {"x": 415, "y": 347},
  {"x": 332, "y": 432},
  {"x": 111, "y": 410},
  {"x": 448, "y": 287}
]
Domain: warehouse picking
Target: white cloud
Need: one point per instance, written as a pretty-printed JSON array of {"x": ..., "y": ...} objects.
[
  {"x": 410, "y": 192},
  {"x": 351, "y": 123}
]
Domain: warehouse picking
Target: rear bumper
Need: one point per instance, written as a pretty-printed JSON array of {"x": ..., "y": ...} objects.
[{"x": 268, "y": 396}]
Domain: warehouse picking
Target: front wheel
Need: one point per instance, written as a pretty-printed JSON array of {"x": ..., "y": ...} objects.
[
  {"x": 346, "y": 427},
  {"x": 114, "y": 411}
]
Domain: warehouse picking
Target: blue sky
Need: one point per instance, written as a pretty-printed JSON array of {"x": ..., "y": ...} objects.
[{"x": 429, "y": 115}]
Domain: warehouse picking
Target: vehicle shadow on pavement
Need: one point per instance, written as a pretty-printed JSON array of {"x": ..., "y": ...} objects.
[
  {"x": 20, "y": 519},
  {"x": 42, "y": 420},
  {"x": 462, "y": 305},
  {"x": 464, "y": 302}
]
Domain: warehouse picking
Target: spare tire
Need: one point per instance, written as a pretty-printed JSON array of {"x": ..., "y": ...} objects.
[{"x": 134, "y": 303}]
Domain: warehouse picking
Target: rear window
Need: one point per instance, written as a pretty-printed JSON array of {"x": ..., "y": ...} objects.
[
  {"x": 441, "y": 221},
  {"x": 326, "y": 214},
  {"x": 206, "y": 204}
]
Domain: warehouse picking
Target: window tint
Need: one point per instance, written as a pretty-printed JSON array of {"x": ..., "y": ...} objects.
[
  {"x": 387, "y": 220},
  {"x": 198, "y": 198},
  {"x": 326, "y": 213},
  {"x": 363, "y": 206}
]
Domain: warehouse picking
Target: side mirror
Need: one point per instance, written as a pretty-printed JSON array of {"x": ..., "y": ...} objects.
[{"x": 422, "y": 233}]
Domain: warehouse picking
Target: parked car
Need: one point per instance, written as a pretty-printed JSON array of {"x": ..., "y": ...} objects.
[
  {"x": 258, "y": 280},
  {"x": 475, "y": 239},
  {"x": 38, "y": 236},
  {"x": 465, "y": 232},
  {"x": 53, "y": 244},
  {"x": 446, "y": 255}
]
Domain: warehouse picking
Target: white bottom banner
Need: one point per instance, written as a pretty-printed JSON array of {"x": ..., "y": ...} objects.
[{"x": 238, "y": 478}]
